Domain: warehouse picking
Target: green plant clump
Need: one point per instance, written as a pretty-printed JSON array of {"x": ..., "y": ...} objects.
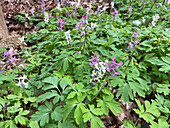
[{"x": 79, "y": 62}]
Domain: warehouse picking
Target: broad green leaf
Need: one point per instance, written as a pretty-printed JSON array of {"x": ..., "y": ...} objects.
[
  {"x": 65, "y": 64},
  {"x": 21, "y": 119},
  {"x": 25, "y": 112},
  {"x": 87, "y": 116},
  {"x": 71, "y": 95},
  {"x": 78, "y": 114},
  {"x": 47, "y": 95},
  {"x": 34, "y": 124},
  {"x": 52, "y": 80},
  {"x": 57, "y": 114},
  {"x": 67, "y": 110},
  {"x": 96, "y": 111},
  {"x": 161, "y": 124},
  {"x": 125, "y": 92},
  {"x": 113, "y": 106},
  {"x": 104, "y": 109},
  {"x": 96, "y": 122},
  {"x": 63, "y": 84},
  {"x": 137, "y": 88}
]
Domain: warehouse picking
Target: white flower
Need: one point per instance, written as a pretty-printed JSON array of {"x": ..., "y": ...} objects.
[
  {"x": 58, "y": 6},
  {"x": 112, "y": 4},
  {"x": 21, "y": 65},
  {"x": 153, "y": 23},
  {"x": 78, "y": 4},
  {"x": 136, "y": 22},
  {"x": 93, "y": 25},
  {"x": 46, "y": 17},
  {"x": 68, "y": 37},
  {"x": 21, "y": 39},
  {"x": 143, "y": 19},
  {"x": 26, "y": 15},
  {"x": 22, "y": 81}
]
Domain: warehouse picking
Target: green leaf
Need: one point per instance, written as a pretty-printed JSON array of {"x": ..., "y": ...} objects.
[
  {"x": 137, "y": 88},
  {"x": 96, "y": 122},
  {"x": 57, "y": 114},
  {"x": 161, "y": 124},
  {"x": 25, "y": 112},
  {"x": 96, "y": 111},
  {"x": 87, "y": 116},
  {"x": 71, "y": 95},
  {"x": 150, "y": 110},
  {"x": 63, "y": 84},
  {"x": 78, "y": 114},
  {"x": 113, "y": 106},
  {"x": 47, "y": 95},
  {"x": 52, "y": 80},
  {"x": 125, "y": 92},
  {"x": 34, "y": 124},
  {"x": 104, "y": 109},
  {"x": 67, "y": 110},
  {"x": 65, "y": 64},
  {"x": 21, "y": 119},
  {"x": 42, "y": 114}
]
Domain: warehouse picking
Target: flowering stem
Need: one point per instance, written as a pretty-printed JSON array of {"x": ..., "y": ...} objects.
[
  {"x": 136, "y": 122},
  {"x": 153, "y": 4},
  {"x": 129, "y": 61},
  {"x": 100, "y": 88}
]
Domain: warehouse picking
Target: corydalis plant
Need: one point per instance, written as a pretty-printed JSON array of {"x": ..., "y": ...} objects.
[
  {"x": 9, "y": 57},
  {"x": 60, "y": 24},
  {"x": 110, "y": 67},
  {"x": 101, "y": 66}
]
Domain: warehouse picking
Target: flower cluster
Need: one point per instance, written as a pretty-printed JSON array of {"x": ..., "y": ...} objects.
[
  {"x": 136, "y": 37},
  {"x": 155, "y": 19},
  {"x": 81, "y": 25},
  {"x": 59, "y": 6},
  {"x": 46, "y": 17},
  {"x": 74, "y": 11},
  {"x": 95, "y": 59},
  {"x": 61, "y": 24},
  {"x": 115, "y": 13},
  {"x": 68, "y": 37},
  {"x": 9, "y": 57},
  {"x": 100, "y": 68},
  {"x": 93, "y": 25},
  {"x": 112, "y": 66},
  {"x": 42, "y": 5},
  {"x": 143, "y": 19},
  {"x": 98, "y": 71},
  {"x": 130, "y": 9},
  {"x": 22, "y": 81}
]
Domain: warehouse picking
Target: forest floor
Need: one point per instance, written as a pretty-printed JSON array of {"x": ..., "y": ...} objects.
[{"x": 11, "y": 9}]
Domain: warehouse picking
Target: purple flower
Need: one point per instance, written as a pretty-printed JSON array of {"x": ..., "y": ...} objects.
[
  {"x": 130, "y": 9},
  {"x": 157, "y": 5},
  {"x": 42, "y": 6},
  {"x": 95, "y": 59},
  {"x": 75, "y": 11},
  {"x": 61, "y": 24},
  {"x": 112, "y": 66},
  {"x": 79, "y": 52},
  {"x": 68, "y": 13},
  {"x": 9, "y": 57},
  {"x": 32, "y": 12},
  {"x": 136, "y": 34},
  {"x": 115, "y": 13},
  {"x": 131, "y": 45}
]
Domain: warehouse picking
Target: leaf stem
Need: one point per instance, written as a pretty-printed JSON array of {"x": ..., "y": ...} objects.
[
  {"x": 136, "y": 122},
  {"x": 100, "y": 89}
]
